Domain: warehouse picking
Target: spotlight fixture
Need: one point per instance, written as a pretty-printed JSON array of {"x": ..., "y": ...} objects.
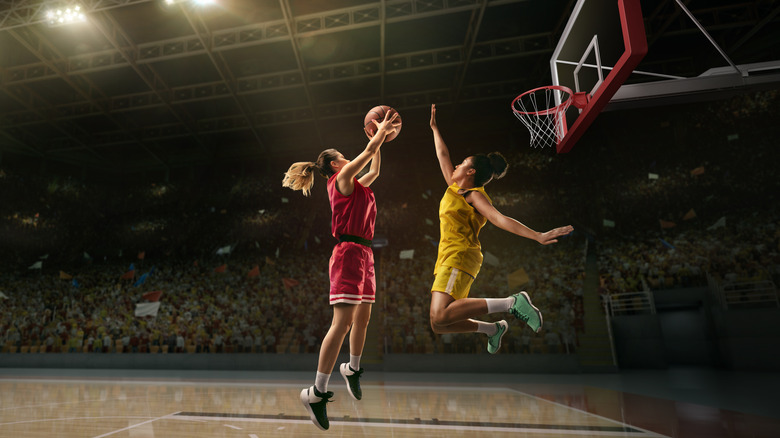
[
  {"x": 61, "y": 16},
  {"x": 196, "y": 2}
]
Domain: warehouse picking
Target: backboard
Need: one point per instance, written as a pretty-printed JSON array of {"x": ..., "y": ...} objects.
[{"x": 601, "y": 45}]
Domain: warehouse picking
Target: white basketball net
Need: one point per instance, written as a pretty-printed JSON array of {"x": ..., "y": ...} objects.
[{"x": 538, "y": 111}]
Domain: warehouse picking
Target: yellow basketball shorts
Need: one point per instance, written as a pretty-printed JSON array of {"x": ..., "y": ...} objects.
[{"x": 452, "y": 281}]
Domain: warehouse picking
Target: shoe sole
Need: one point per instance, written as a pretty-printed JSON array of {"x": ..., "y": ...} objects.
[
  {"x": 349, "y": 388},
  {"x": 538, "y": 312},
  {"x": 307, "y": 405}
]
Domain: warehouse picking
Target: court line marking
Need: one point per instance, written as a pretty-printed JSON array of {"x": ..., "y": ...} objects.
[
  {"x": 551, "y": 431},
  {"x": 136, "y": 425},
  {"x": 89, "y": 400},
  {"x": 255, "y": 384},
  {"x": 41, "y": 405},
  {"x": 417, "y": 421},
  {"x": 156, "y": 382},
  {"x": 41, "y": 420},
  {"x": 649, "y": 432}
]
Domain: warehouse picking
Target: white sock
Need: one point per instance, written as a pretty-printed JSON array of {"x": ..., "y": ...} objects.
[
  {"x": 488, "y": 328},
  {"x": 496, "y": 305},
  {"x": 354, "y": 362},
  {"x": 321, "y": 382}
]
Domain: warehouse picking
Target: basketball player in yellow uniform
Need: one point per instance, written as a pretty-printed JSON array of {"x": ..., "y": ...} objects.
[{"x": 464, "y": 209}]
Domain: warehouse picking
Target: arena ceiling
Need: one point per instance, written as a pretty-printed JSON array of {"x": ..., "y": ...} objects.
[{"x": 142, "y": 85}]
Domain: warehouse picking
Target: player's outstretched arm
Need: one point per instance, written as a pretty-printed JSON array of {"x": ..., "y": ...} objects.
[
  {"x": 442, "y": 152},
  {"x": 485, "y": 208}
]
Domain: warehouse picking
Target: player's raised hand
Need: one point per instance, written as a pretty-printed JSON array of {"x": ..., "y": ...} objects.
[
  {"x": 389, "y": 124},
  {"x": 434, "y": 126}
]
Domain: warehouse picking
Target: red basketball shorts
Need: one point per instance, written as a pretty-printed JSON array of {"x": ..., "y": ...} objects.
[{"x": 352, "y": 278}]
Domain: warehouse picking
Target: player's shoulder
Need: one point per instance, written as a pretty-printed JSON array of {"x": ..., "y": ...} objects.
[{"x": 475, "y": 192}]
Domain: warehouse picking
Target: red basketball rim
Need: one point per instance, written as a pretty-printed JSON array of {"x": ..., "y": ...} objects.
[{"x": 548, "y": 111}]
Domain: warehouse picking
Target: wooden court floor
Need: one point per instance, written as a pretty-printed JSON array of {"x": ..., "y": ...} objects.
[{"x": 139, "y": 404}]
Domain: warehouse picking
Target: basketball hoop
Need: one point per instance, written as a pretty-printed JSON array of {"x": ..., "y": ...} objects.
[{"x": 545, "y": 120}]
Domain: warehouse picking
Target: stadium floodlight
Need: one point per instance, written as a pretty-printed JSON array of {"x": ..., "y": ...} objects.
[
  {"x": 67, "y": 15},
  {"x": 196, "y": 2}
]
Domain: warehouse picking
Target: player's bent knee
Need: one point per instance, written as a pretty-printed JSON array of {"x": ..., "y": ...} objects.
[{"x": 438, "y": 323}]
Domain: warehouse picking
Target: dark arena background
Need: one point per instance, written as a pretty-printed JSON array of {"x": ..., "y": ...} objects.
[{"x": 156, "y": 279}]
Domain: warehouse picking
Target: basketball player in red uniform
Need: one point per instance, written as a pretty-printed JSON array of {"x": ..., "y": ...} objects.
[{"x": 352, "y": 279}]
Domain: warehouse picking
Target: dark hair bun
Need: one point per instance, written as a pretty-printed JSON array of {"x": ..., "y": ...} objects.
[{"x": 498, "y": 163}]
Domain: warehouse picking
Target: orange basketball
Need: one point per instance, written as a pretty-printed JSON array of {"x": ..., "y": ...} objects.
[{"x": 378, "y": 113}]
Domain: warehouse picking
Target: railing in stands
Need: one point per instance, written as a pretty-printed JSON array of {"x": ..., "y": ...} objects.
[
  {"x": 630, "y": 303},
  {"x": 744, "y": 294}
]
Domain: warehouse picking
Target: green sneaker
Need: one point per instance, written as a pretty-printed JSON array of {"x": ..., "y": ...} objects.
[
  {"x": 523, "y": 309},
  {"x": 494, "y": 342}
]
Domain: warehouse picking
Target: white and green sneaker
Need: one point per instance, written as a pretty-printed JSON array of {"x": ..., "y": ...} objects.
[
  {"x": 523, "y": 310},
  {"x": 494, "y": 342}
]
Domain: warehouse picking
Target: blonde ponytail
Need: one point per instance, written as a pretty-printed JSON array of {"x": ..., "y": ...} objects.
[{"x": 300, "y": 176}]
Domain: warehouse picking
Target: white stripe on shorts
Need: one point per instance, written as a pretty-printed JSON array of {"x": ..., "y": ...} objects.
[
  {"x": 351, "y": 298},
  {"x": 451, "y": 281}
]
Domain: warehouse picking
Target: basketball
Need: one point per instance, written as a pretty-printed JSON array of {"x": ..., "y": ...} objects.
[{"x": 378, "y": 113}]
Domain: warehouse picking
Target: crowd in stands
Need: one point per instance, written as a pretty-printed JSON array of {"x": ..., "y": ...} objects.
[
  {"x": 200, "y": 311},
  {"x": 705, "y": 204},
  {"x": 242, "y": 263}
]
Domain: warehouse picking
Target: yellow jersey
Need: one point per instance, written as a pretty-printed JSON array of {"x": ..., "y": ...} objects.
[{"x": 459, "y": 225}]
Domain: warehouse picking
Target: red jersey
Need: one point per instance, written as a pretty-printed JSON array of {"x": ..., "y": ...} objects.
[{"x": 354, "y": 214}]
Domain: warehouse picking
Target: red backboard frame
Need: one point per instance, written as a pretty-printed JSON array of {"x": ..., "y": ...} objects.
[{"x": 635, "y": 43}]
